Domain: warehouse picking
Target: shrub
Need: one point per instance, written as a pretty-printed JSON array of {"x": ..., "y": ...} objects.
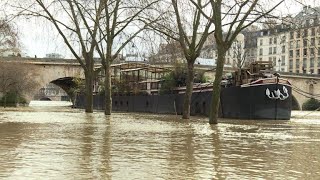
[
  {"x": 177, "y": 78},
  {"x": 311, "y": 104},
  {"x": 11, "y": 99}
]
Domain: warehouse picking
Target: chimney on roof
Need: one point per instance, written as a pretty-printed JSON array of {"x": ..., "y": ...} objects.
[{"x": 305, "y": 8}]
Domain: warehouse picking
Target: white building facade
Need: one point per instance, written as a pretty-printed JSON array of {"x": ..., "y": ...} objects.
[{"x": 272, "y": 45}]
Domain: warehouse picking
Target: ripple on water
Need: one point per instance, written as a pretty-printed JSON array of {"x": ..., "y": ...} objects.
[{"x": 69, "y": 144}]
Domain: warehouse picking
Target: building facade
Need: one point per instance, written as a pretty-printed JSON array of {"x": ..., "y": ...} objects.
[
  {"x": 272, "y": 46},
  {"x": 294, "y": 45}
]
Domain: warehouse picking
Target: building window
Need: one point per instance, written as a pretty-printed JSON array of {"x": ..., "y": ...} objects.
[
  {"x": 304, "y": 62},
  {"x": 305, "y": 33},
  {"x": 291, "y": 53},
  {"x": 298, "y": 52},
  {"x": 274, "y": 61},
  {"x": 307, "y": 22},
  {"x": 261, "y": 42},
  {"x": 283, "y": 60},
  {"x": 312, "y": 51},
  {"x": 283, "y": 49},
  {"x": 274, "y": 50},
  {"x": 311, "y": 62},
  {"x": 297, "y": 63},
  {"x": 290, "y": 64},
  {"x": 311, "y": 71},
  {"x": 305, "y": 52},
  {"x": 270, "y": 40},
  {"x": 298, "y": 44},
  {"x": 291, "y": 44},
  {"x": 291, "y": 35},
  {"x": 313, "y": 32},
  {"x": 270, "y": 50},
  {"x": 283, "y": 39},
  {"x": 298, "y": 34},
  {"x": 275, "y": 40},
  {"x": 260, "y": 51},
  {"x": 305, "y": 43},
  {"x": 312, "y": 41},
  {"x": 297, "y": 71},
  {"x": 318, "y": 61}
]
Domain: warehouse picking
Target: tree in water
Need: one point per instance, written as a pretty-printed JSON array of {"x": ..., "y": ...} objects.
[
  {"x": 77, "y": 22},
  {"x": 121, "y": 23},
  {"x": 229, "y": 19},
  {"x": 183, "y": 24}
]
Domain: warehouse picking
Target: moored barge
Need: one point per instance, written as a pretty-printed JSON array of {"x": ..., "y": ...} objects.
[{"x": 256, "y": 93}]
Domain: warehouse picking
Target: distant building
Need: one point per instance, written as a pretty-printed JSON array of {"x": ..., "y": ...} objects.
[
  {"x": 294, "y": 45},
  {"x": 12, "y": 52},
  {"x": 54, "y": 56},
  {"x": 170, "y": 52},
  {"x": 134, "y": 58},
  {"x": 272, "y": 45}
]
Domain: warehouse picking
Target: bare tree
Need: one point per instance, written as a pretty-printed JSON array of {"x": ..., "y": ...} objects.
[
  {"x": 229, "y": 19},
  {"x": 77, "y": 22},
  {"x": 239, "y": 54},
  {"x": 8, "y": 38},
  {"x": 119, "y": 25},
  {"x": 185, "y": 24}
]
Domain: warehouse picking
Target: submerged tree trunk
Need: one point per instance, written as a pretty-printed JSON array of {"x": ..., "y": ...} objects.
[
  {"x": 89, "y": 90},
  {"x": 5, "y": 101},
  {"x": 107, "y": 85},
  {"x": 189, "y": 89},
  {"x": 215, "y": 101}
]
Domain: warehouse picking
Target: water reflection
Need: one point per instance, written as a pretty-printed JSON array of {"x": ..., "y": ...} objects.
[{"x": 63, "y": 143}]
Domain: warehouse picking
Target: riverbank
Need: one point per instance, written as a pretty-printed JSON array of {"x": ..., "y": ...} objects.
[{"x": 305, "y": 115}]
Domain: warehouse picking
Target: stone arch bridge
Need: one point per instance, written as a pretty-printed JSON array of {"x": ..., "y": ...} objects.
[{"x": 60, "y": 72}]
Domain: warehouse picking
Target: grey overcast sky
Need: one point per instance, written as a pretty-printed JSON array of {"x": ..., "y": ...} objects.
[{"x": 38, "y": 38}]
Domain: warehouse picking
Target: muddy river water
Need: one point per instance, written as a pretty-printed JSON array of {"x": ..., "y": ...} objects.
[{"x": 43, "y": 142}]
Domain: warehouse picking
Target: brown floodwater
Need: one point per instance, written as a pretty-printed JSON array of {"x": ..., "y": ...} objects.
[{"x": 63, "y": 143}]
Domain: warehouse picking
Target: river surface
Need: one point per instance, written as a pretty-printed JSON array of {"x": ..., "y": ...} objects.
[{"x": 54, "y": 142}]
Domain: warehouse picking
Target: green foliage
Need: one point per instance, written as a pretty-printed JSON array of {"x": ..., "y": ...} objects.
[
  {"x": 11, "y": 99},
  {"x": 78, "y": 85},
  {"x": 121, "y": 88},
  {"x": 311, "y": 104},
  {"x": 178, "y": 78},
  {"x": 168, "y": 84}
]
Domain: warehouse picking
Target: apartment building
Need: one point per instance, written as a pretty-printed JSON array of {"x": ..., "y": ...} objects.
[
  {"x": 293, "y": 47},
  {"x": 272, "y": 46},
  {"x": 304, "y": 42}
]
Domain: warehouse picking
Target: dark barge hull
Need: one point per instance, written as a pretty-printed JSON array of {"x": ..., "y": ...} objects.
[
  {"x": 236, "y": 102},
  {"x": 252, "y": 102}
]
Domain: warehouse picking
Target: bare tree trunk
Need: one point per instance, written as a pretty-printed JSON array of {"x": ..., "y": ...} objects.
[
  {"x": 89, "y": 90},
  {"x": 107, "y": 85},
  {"x": 189, "y": 89},
  {"x": 5, "y": 101},
  {"x": 213, "y": 117}
]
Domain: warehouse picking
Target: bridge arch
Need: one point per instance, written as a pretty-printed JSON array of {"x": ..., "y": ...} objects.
[{"x": 45, "y": 99}]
